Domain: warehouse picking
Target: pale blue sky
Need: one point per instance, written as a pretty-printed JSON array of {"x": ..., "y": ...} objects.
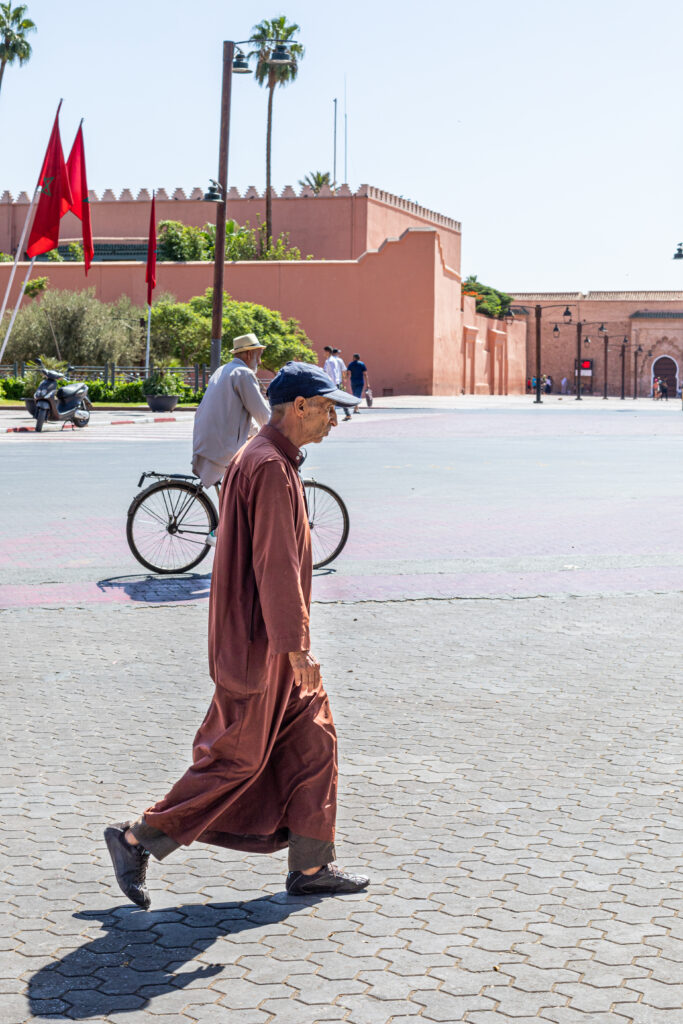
[{"x": 551, "y": 130}]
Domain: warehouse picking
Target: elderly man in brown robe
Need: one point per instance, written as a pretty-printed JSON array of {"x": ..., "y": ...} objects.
[{"x": 264, "y": 771}]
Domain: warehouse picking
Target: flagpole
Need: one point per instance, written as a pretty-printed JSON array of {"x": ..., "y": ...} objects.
[
  {"x": 17, "y": 257},
  {"x": 16, "y": 308},
  {"x": 149, "y": 328}
]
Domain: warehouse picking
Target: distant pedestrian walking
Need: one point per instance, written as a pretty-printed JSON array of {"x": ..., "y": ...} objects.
[
  {"x": 341, "y": 375},
  {"x": 549, "y": 385},
  {"x": 663, "y": 389},
  {"x": 358, "y": 375},
  {"x": 330, "y": 365},
  {"x": 563, "y": 385}
]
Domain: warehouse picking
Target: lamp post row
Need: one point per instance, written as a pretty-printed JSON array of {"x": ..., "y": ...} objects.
[{"x": 581, "y": 324}]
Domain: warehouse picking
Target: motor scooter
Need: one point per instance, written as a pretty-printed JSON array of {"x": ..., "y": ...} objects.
[{"x": 68, "y": 404}]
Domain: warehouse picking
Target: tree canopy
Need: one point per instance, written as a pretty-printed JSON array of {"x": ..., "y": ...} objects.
[
  {"x": 316, "y": 180},
  {"x": 489, "y": 301},
  {"x": 265, "y": 37},
  {"x": 182, "y": 331},
  {"x": 14, "y": 28}
]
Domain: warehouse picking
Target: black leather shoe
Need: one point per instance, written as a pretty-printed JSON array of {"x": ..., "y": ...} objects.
[
  {"x": 130, "y": 865},
  {"x": 330, "y": 879}
]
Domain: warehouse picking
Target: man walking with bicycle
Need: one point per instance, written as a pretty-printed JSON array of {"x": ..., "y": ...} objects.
[
  {"x": 231, "y": 401},
  {"x": 264, "y": 773}
]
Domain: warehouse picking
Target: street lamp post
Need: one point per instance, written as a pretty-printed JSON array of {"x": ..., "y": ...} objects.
[
  {"x": 623, "y": 368},
  {"x": 232, "y": 64},
  {"x": 579, "y": 332},
  {"x": 636, "y": 353},
  {"x": 219, "y": 251},
  {"x": 538, "y": 311},
  {"x": 604, "y": 387}
]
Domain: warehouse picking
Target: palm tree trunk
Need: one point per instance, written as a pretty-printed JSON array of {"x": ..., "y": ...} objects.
[
  {"x": 269, "y": 134},
  {"x": 2, "y": 70}
]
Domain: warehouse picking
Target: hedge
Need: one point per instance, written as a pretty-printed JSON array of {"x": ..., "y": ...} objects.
[{"x": 98, "y": 391}]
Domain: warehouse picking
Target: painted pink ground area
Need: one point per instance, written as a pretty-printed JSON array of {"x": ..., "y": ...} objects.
[
  {"x": 73, "y": 543},
  {"x": 381, "y": 587}
]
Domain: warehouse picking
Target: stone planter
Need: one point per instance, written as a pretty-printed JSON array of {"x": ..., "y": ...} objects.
[
  {"x": 162, "y": 403},
  {"x": 30, "y": 404}
]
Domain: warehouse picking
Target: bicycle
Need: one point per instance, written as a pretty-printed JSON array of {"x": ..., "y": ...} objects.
[{"x": 170, "y": 525}]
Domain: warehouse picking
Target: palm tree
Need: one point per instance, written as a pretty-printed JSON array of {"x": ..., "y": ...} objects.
[
  {"x": 271, "y": 75},
  {"x": 14, "y": 27},
  {"x": 316, "y": 180}
]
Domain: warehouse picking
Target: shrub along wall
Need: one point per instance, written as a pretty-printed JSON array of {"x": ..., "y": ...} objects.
[{"x": 13, "y": 388}]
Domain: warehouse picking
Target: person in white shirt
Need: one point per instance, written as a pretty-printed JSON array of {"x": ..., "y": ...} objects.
[
  {"x": 330, "y": 366},
  {"x": 231, "y": 402},
  {"x": 342, "y": 373}
]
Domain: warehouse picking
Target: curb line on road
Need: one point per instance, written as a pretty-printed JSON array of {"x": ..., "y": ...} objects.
[{"x": 108, "y": 423}]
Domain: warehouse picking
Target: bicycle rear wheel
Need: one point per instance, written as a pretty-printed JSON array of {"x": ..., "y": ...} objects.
[
  {"x": 329, "y": 521},
  {"x": 168, "y": 526}
]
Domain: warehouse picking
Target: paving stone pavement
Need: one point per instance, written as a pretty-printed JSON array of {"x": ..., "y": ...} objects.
[{"x": 511, "y": 780}]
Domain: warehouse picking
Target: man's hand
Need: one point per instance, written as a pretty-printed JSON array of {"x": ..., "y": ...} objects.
[{"x": 306, "y": 671}]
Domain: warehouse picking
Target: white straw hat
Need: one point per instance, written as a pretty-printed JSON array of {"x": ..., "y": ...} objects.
[{"x": 245, "y": 343}]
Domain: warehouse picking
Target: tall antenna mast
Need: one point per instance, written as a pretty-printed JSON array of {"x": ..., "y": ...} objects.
[
  {"x": 334, "y": 158},
  {"x": 346, "y": 175}
]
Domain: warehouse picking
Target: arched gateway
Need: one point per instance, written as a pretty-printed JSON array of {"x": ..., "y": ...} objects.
[{"x": 666, "y": 368}]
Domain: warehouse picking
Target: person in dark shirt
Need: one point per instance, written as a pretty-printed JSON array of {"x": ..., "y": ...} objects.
[{"x": 358, "y": 372}]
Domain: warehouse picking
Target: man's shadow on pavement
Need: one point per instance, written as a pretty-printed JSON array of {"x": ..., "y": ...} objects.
[
  {"x": 140, "y": 955},
  {"x": 155, "y": 589}
]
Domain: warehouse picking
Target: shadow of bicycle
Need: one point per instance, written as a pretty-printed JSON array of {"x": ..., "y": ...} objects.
[{"x": 153, "y": 589}]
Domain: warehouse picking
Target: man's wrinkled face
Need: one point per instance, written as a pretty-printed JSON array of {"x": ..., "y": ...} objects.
[{"x": 319, "y": 416}]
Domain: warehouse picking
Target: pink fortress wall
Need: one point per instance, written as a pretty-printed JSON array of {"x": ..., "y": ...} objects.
[
  {"x": 385, "y": 281},
  {"x": 342, "y": 225},
  {"x": 399, "y": 306}
]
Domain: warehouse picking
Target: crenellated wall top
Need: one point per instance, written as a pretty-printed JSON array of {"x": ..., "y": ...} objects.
[
  {"x": 288, "y": 192},
  {"x": 630, "y": 296}
]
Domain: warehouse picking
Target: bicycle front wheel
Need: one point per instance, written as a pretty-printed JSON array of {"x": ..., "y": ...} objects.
[
  {"x": 168, "y": 526},
  {"x": 329, "y": 522}
]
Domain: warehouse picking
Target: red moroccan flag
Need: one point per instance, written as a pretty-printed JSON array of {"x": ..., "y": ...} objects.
[
  {"x": 80, "y": 203},
  {"x": 151, "y": 272},
  {"x": 55, "y": 197}
]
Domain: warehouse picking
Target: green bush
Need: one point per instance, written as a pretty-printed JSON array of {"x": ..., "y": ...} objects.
[
  {"x": 6, "y": 258},
  {"x": 179, "y": 332},
  {"x": 88, "y": 332},
  {"x": 75, "y": 251},
  {"x": 12, "y": 387},
  {"x": 489, "y": 301},
  {"x": 98, "y": 391},
  {"x": 182, "y": 331},
  {"x": 131, "y": 391},
  {"x": 54, "y": 256},
  {"x": 18, "y": 388},
  {"x": 161, "y": 382},
  {"x": 181, "y": 242},
  {"x": 36, "y": 287},
  {"x": 284, "y": 339}
]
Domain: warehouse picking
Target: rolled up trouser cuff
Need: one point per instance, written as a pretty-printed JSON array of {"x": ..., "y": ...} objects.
[
  {"x": 305, "y": 852},
  {"x": 153, "y": 839}
]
